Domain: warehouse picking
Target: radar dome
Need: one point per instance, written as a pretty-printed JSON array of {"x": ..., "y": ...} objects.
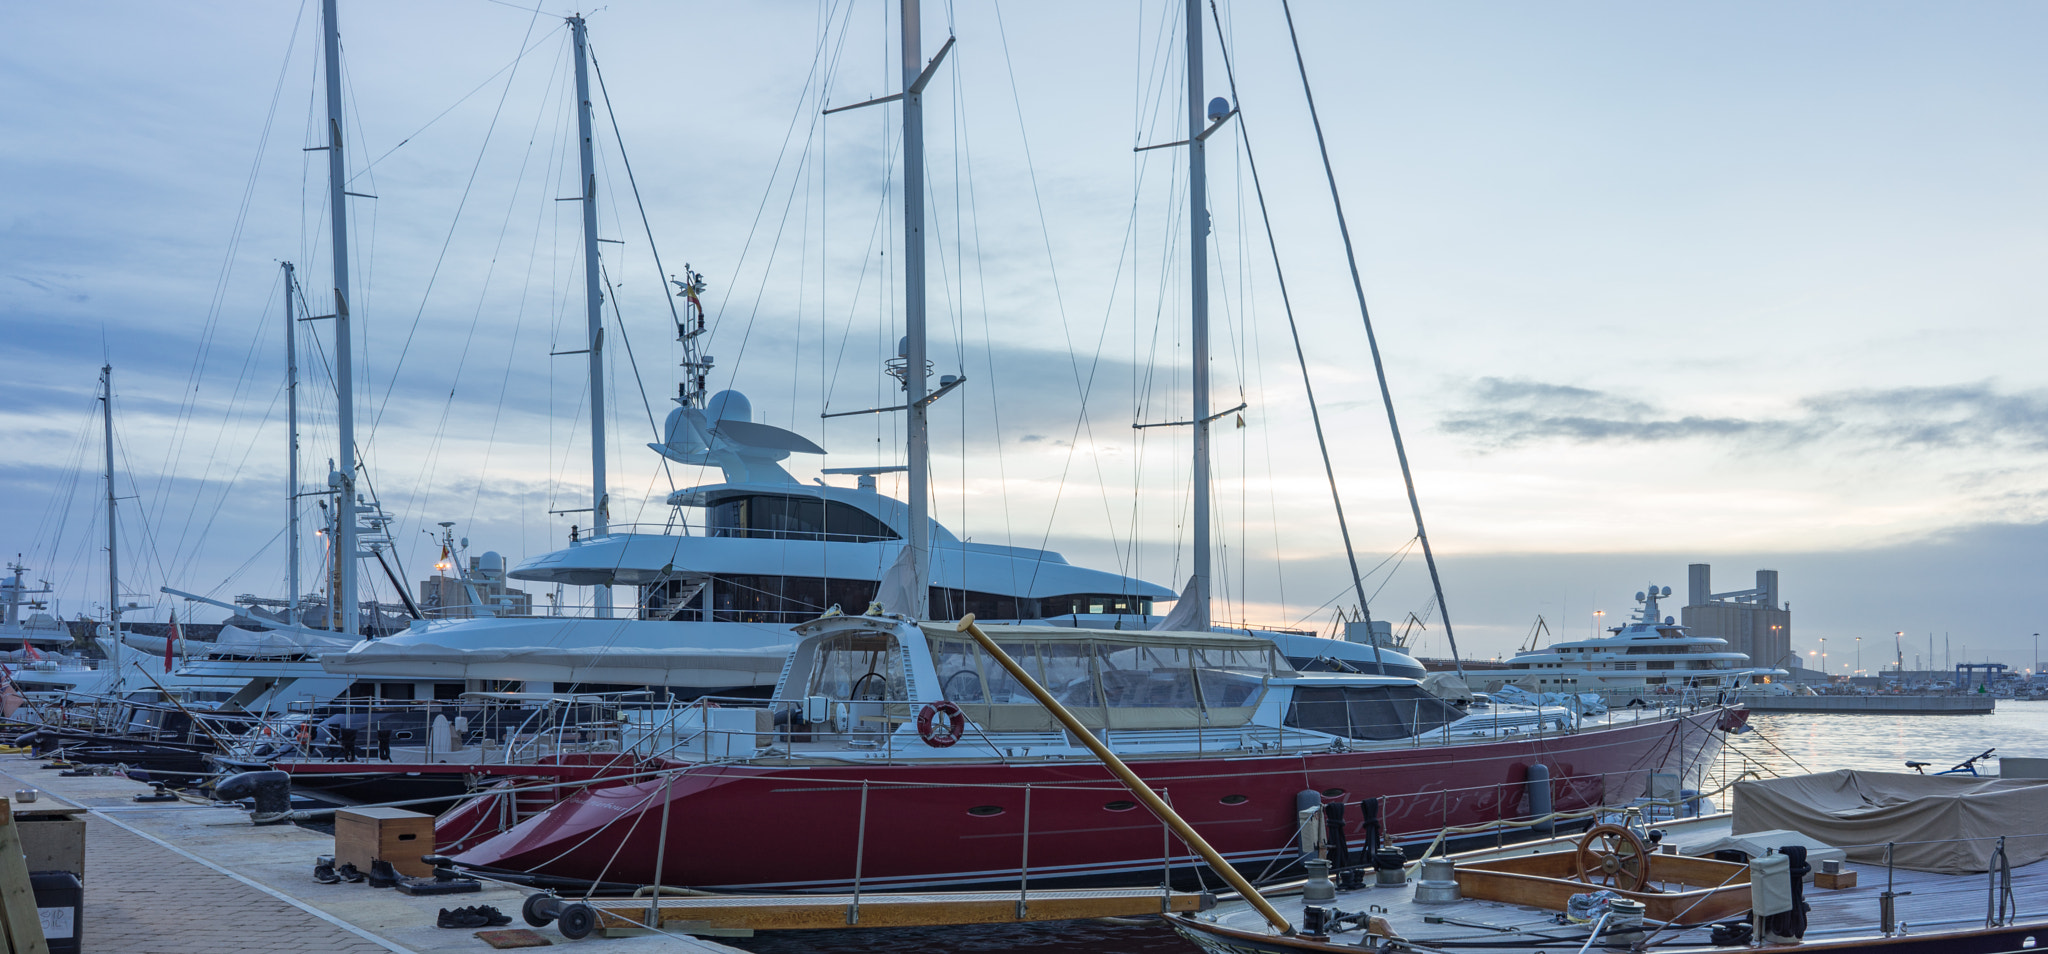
[
  {"x": 1218, "y": 108},
  {"x": 1639, "y": 596},
  {"x": 729, "y": 406}
]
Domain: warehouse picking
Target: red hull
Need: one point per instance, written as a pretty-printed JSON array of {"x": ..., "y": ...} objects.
[{"x": 801, "y": 827}]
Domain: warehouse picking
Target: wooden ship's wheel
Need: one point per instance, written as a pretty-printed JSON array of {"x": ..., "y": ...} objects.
[{"x": 1613, "y": 857}]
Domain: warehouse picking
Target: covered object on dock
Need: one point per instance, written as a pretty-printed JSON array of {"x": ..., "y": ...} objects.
[{"x": 1947, "y": 824}]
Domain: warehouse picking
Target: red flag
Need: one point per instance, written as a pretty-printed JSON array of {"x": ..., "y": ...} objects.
[
  {"x": 171, "y": 644},
  {"x": 29, "y": 651}
]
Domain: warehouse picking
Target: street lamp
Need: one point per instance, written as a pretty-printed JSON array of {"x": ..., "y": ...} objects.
[
  {"x": 1823, "y": 654},
  {"x": 1859, "y": 654}
]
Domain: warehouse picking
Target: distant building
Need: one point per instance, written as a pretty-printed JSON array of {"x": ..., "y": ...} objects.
[
  {"x": 1753, "y": 621},
  {"x": 449, "y": 597}
]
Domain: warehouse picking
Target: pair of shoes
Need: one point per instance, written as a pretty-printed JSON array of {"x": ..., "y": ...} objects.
[
  {"x": 382, "y": 875},
  {"x": 349, "y": 873},
  {"x": 461, "y": 918},
  {"x": 325, "y": 874},
  {"x": 474, "y": 916}
]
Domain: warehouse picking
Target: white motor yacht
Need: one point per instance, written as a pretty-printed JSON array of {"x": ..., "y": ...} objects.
[
  {"x": 1648, "y": 656},
  {"x": 717, "y": 595}
]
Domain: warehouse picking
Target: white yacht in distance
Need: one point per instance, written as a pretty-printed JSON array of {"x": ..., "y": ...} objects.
[
  {"x": 1646, "y": 657},
  {"x": 715, "y": 608}
]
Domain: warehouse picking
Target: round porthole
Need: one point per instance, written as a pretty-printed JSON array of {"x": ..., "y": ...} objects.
[
  {"x": 1235, "y": 799},
  {"x": 1120, "y": 806},
  {"x": 985, "y": 810},
  {"x": 1333, "y": 793}
]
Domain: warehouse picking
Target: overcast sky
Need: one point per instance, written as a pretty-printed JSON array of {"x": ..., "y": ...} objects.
[{"x": 1749, "y": 284}]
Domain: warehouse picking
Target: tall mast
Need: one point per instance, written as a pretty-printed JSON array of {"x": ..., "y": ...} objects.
[
  {"x": 593, "y": 300},
  {"x": 291, "y": 404},
  {"x": 344, "y": 479},
  {"x": 914, "y": 354},
  {"x": 113, "y": 554},
  {"x": 1198, "y": 308}
]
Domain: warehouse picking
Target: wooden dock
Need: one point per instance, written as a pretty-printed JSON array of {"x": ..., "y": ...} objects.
[{"x": 743, "y": 914}]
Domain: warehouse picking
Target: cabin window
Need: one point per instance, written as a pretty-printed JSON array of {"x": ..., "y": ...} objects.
[
  {"x": 1231, "y": 678},
  {"x": 774, "y": 517},
  {"x": 1099, "y": 603},
  {"x": 1070, "y": 674},
  {"x": 859, "y": 667},
  {"x": 1375, "y": 713},
  {"x": 1147, "y": 677},
  {"x": 784, "y": 599}
]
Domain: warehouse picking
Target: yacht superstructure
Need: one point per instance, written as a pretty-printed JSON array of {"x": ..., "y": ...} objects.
[{"x": 1647, "y": 655}]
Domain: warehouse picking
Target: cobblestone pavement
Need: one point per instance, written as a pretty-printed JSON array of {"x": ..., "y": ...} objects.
[{"x": 141, "y": 898}]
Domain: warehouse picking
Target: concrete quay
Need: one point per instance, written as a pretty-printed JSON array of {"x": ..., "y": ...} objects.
[
  {"x": 1945, "y": 704},
  {"x": 185, "y": 878}
]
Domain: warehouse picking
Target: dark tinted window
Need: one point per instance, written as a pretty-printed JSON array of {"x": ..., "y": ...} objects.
[
  {"x": 795, "y": 518},
  {"x": 1370, "y": 712}
]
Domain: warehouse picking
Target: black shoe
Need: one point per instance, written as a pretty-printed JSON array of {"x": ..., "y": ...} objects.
[
  {"x": 461, "y": 918},
  {"x": 349, "y": 873},
  {"x": 495, "y": 916},
  {"x": 382, "y": 875},
  {"x": 324, "y": 874}
]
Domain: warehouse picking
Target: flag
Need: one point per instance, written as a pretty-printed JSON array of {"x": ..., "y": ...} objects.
[
  {"x": 171, "y": 643},
  {"x": 28, "y": 651}
]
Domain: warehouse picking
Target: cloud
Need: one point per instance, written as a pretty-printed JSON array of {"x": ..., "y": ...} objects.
[{"x": 1504, "y": 413}]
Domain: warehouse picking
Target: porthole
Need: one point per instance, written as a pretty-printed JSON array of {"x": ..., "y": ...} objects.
[
  {"x": 1235, "y": 799},
  {"x": 1120, "y": 806},
  {"x": 985, "y": 810},
  {"x": 1333, "y": 793}
]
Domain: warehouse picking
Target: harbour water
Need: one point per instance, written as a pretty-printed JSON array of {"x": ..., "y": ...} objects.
[
  {"x": 1783, "y": 744},
  {"x": 1793, "y": 743}
]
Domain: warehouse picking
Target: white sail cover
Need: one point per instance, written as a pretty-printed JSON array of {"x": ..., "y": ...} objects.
[
  {"x": 1944, "y": 823},
  {"x": 1185, "y": 612},
  {"x": 896, "y": 590},
  {"x": 236, "y": 641}
]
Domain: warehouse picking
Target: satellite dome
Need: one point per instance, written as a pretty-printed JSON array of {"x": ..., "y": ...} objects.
[
  {"x": 729, "y": 406},
  {"x": 1218, "y": 108}
]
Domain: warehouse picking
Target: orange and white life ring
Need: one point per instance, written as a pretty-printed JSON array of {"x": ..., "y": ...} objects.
[{"x": 936, "y": 733}]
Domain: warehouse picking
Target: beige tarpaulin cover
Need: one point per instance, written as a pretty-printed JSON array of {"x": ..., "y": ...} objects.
[
  {"x": 1942, "y": 823},
  {"x": 1447, "y": 686}
]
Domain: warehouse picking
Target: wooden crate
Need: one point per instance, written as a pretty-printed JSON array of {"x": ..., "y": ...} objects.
[
  {"x": 1844, "y": 879},
  {"x": 53, "y": 839},
  {"x": 364, "y": 835}
]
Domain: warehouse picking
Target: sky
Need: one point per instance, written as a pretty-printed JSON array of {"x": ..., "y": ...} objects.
[{"x": 1746, "y": 284}]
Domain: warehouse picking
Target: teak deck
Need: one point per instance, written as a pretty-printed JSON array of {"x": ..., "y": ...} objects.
[{"x": 1719, "y": 890}]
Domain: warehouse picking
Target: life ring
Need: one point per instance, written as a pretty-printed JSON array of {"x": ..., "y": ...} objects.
[
  {"x": 305, "y": 735},
  {"x": 939, "y": 734}
]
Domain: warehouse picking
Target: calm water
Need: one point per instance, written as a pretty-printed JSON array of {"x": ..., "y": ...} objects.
[{"x": 1787, "y": 744}]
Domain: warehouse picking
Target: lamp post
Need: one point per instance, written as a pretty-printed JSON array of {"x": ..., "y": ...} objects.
[
  {"x": 1859, "y": 655},
  {"x": 1823, "y": 655},
  {"x": 1597, "y": 614}
]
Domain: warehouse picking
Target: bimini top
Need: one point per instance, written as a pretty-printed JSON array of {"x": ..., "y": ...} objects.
[
  {"x": 1108, "y": 678},
  {"x": 1002, "y": 633}
]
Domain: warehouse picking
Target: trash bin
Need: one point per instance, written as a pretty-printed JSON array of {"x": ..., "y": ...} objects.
[{"x": 60, "y": 901}]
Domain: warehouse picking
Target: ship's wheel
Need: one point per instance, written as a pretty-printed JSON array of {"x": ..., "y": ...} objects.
[{"x": 1613, "y": 857}]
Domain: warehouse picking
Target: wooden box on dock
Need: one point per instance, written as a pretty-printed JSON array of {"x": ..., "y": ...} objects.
[
  {"x": 364, "y": 835},
  {"x": 53, "y": 838},
  {"x": 1838, "y": 879}
]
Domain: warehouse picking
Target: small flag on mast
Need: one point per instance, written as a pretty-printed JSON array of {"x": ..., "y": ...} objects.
[{"x": 171, "y": 643}]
